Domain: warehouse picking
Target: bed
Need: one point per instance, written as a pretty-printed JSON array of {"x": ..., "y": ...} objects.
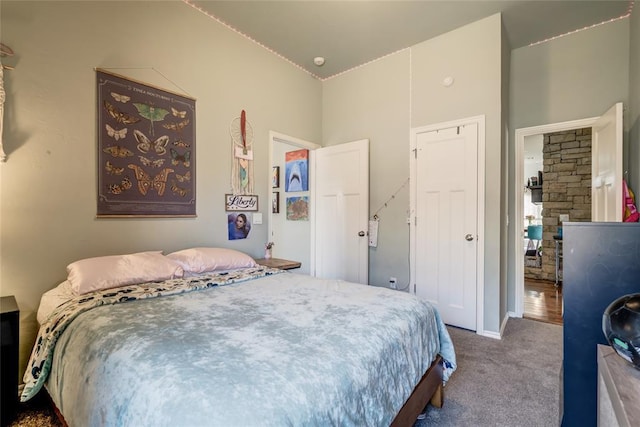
[{"x": 238, "y": 347}]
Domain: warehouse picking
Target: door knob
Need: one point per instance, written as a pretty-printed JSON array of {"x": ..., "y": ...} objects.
[
  {"x": 361, "y": 233},
  {"x": 597, "y": 182},
  {"x": 468, "y": 237}
]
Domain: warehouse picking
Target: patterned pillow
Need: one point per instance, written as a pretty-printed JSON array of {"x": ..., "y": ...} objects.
[
  {"x": 93, "y": 274},
  {"x": 203, "y": 260}
]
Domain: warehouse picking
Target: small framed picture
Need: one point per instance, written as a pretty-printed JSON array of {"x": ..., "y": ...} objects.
[
  {"x": 240, "y": 203},
  {"x": 275, "y": 202},
  {"x": 297, "y": 208},
  {"x": 275, "y": 177}
]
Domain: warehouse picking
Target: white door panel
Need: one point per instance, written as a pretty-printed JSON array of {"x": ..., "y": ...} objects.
[
  {"x": 446, "y": 222},
  {"x": 342, "y": 211},
  {"x": 606, "y": 177}
]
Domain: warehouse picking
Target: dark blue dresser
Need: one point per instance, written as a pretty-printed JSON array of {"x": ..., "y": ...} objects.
[{"x": 601, "y": 263}]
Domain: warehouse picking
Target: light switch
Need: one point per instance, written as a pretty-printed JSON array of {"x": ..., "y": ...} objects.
[
  {"x": 564, "y": 218},
  {"x": 257, "y": 218}
]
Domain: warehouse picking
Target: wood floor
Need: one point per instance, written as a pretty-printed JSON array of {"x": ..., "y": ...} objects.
[{"x": 542, "y": 301}]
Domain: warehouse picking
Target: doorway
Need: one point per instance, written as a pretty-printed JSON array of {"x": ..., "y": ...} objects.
[
  {"x": 566, "y": 179},
  {"x": 293, "y": 240},
  {"x": 532, "y": 206},
  {"x": 535, "y": 296},
  {"x": 323, "y": 225}
]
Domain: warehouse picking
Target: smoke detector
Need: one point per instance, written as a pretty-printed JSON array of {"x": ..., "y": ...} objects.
[{"x": 319, "y": 61}]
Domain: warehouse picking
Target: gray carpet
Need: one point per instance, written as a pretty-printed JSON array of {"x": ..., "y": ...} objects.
[
  {"x": 37, "y": 412},
  {"x": 510, "y": 382}
]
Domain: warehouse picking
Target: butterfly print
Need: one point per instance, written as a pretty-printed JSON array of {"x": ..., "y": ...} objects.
[
  {"x": 116, "y": 134},
  {"x": 112, "y": 170},
  {"x": 120, "y": 98},
  {"x": 178, "y": 190},
  {"x": 180, "y": 143},
  {"x": 120, "y": 188},
  {"x": 145, "y": 145},
  {"x": 185, "y": 177},
  {"x": 151, "y": 113},
  {"x": 176, "y": 126},
  {"x": 176, "y": 113},
  {"x": 145, "y": 182},
  {"x": 118, "y": 151},
  {"x": 180, "y": 158},
  {"x": 118, "y": 115},
  {"x": 153, "y": 163}
]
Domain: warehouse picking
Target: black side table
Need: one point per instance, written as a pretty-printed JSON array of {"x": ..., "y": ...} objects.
[{"x": 9, "y": 336}]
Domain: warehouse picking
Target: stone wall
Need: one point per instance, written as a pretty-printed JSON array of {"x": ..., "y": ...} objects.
[{"x": 566, "y": 190}]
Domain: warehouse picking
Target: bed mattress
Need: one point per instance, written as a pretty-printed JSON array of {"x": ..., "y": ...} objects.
[{"x": 275, "y": 349}]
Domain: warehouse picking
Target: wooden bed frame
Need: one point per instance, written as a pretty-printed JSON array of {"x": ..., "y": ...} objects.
[{"x": 428, "y": 390}]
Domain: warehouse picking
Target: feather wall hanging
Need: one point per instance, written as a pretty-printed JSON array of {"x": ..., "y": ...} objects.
[
  {"x": 4, "y": 51},
  {"x": 242, "y": 155}
]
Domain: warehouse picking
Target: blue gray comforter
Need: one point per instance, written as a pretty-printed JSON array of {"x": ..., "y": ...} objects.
[{"x": 282, "y": 349}]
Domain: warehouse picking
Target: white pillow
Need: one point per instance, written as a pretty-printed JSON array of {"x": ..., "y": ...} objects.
[
  {"x": 53, "y": 298},
  {"x": 203, "y": 260},
  {"x": 93, "y": 274}
]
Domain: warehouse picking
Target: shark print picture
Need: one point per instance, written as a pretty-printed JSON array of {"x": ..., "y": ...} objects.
[{"x": 297, "y": 170}]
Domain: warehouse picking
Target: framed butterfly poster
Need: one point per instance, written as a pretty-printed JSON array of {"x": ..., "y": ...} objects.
[{"x": 146, "y": 150}]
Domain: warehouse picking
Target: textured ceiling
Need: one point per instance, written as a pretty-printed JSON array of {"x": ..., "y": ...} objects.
[{"x": 351, "y": 33}]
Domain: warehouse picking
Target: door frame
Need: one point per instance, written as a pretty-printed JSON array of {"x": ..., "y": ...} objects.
[
  {"x": 518, "y": 234},
  {"x": 480, "y": 121},
  {"x": 311, "y": 146},
  {"x": 613, "y": 116}
]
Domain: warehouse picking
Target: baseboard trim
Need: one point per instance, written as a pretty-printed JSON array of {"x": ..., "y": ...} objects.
[
  {"x": 494, "y": 335},
  {"x": 497, "y": 335},
  {"x": 505, "y": 319}
]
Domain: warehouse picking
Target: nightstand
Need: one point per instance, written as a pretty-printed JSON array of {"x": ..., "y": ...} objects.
[
  {"x": 9, "y": 336},
  {"x": 283, "y": 264}
]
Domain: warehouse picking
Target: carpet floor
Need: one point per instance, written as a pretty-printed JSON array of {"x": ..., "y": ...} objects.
[
  {"x": 37, "y": 412},
  {"x": 510, "y": 382}
]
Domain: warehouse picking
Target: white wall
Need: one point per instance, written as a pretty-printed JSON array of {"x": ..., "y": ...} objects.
[
  {"x": 472, "y": 56},
  {"x": 373, "y": 102},
  {"x": 573, "y": 77},
  {"x": 49, "y": 181},
  {"x": 385, "y": 99},
  {"x": 504, "y": 181}
]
